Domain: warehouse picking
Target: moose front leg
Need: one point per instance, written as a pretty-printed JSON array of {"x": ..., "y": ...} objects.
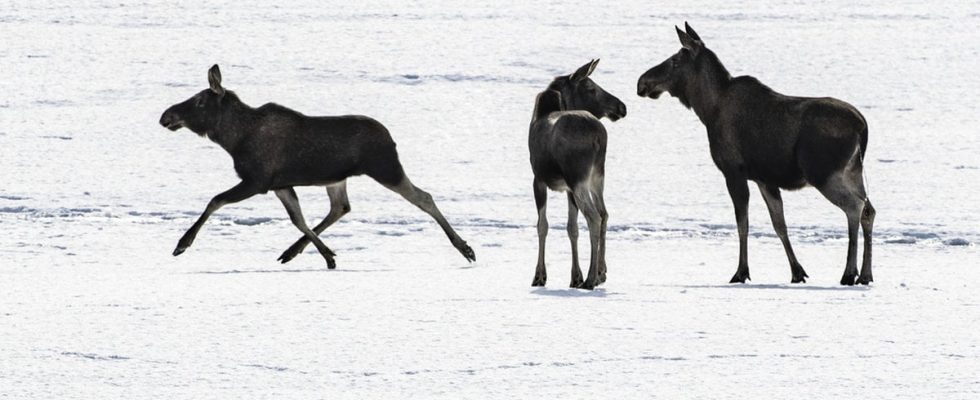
[
  {"x": 738, "y": 188},
  {"x": 240, "y": 192},
  {"x": 774, "y": 201}
]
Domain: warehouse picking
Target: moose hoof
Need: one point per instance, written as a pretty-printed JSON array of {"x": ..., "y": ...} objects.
[
  {"x": 587, "y": 285},
  {"x": 799, "y": 275},
  {"x": 602, "y": 278},
  {"x": 179, "y": 250},
  {"x": 740, "y": 277},
  {"x": 538, "y": 281},
  {"x": 331, "y": 264},
  {"x": 864, "y": 280},
  {"x": 467, "y": 252},
  {"x": 576, "y": 283},
  {"x": 288, "y": 255},
  {"x": 848, "y": 279}
]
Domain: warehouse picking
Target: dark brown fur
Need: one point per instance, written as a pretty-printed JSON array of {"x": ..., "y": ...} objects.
[
  {"x": 276, "y": 148},
  {"x": 778, "y": 141}
]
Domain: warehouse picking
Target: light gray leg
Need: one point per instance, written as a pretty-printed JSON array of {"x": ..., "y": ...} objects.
[
  {"x": 601, "y": 206},
  {"x": 240, "y": 192},
  {"x": 289, "y": 200},
  {"x": 339, "y": 206},
  {"x": 541, "y": 201},
  {"x": 572, "y": 228},
  {"x": 775, "y": 203},
  {"x": 867, "y": 224},
  {"x": 583, "y": 198},
  {"x": 846, "y": 194},
  {"x": 423, "y": 200}
]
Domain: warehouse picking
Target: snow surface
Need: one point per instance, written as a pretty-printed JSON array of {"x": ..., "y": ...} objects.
[{"x": 94, "y": 195}]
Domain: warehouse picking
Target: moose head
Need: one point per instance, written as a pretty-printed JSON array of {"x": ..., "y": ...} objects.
[
  {"x": 677, "y": 72},
  {"x": 200, "y": 112},
  {"x": 579, "y": 92}
]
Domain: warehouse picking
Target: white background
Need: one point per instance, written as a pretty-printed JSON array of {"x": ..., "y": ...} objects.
[{"x": 94, "y": 195}]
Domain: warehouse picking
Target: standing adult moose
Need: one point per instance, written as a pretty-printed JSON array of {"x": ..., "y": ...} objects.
[
  {"x": 568, "y": 154},
  {"x": 775, "y": 140},
  {"x": 276, "y": 148}
]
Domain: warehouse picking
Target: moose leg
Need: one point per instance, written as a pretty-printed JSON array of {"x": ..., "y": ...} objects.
[
  {"x": 541, "y": 201},
  {"x": 843, "y": 192},
  {"x": 572, "y": 228},
  {"x": 240, "y": 192},
  {"x": 289, "y": 200},
  {"x": 601, "y": 206},
  {"x": 583, "y": 198},
  {"x": 339, "y": 206},
  {"x": 423, "y": 200},
  {"x": 867, "y": 223},
  {"x": 775, "y": 203},
  {"x": 738, "y": 189}
]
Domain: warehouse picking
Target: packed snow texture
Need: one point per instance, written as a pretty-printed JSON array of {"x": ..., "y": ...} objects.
[{"x": 94, "y": 195}]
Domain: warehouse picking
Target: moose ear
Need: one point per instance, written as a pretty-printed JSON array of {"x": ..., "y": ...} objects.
[
  {"x": 584, "y": 71},
  {"x": 692, "y": 33},
  {"x": 214, "y": 79},
  {"x": 691, "y": 44},
  {"x": 592, "y": 67}
]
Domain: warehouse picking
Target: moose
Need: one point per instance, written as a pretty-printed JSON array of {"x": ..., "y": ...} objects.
[
  {"x": 778, "y": 141},
  {"x": 276, "y": 148},
  {"x": 567, "y": 143}
]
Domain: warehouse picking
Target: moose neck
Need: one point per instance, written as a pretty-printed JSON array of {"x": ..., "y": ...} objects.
[
  {"x": 546, "y": 103},
  {"x": 234, "y": 123},
  {"x": 704, "y": 93}
]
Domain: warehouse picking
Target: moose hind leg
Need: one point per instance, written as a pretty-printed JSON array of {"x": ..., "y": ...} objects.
[
  {"x": 867, "y": 224},
  {"x": 541, "y": 201},
  {"x": 572, "y": 229},
  {"x": 774, "y": 202},
  {"x": 738, "y": 189},
  {"x": 291, "y": 203},
  {"x": 847, "y": 195},
  {"x": 604, "y": 215},
  {"x": 424, "y": 201},
  {"x": 583, "y": 198},
  {"x": 339, "y": 206}
]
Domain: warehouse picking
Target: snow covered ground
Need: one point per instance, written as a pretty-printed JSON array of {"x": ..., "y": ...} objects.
[{"x": 94, "y": 195}]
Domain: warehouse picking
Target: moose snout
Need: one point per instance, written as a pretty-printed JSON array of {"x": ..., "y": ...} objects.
[
  {"x": 648, "y": 88},
  {"x": 169, "y": 120},
  {"x": 619, "y": 113},
  {"x": 642, "y": 88}
]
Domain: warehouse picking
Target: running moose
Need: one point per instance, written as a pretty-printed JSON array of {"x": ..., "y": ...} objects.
[
  {"x": 778, "y": 141},
  {"x": 276, "y": 148}
]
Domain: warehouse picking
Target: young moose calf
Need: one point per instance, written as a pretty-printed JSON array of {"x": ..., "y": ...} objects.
[
  {"x": 568, "y": 154},
  {"x": 778, "y": 141},
  {"x": 275, "y": 148}
]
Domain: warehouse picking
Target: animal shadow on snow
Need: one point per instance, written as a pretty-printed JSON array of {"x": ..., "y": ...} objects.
[
  {"x": 278, "y": 271},
  {"x": 770, "y": 287},
  {"x": 570, "y": 292}
]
